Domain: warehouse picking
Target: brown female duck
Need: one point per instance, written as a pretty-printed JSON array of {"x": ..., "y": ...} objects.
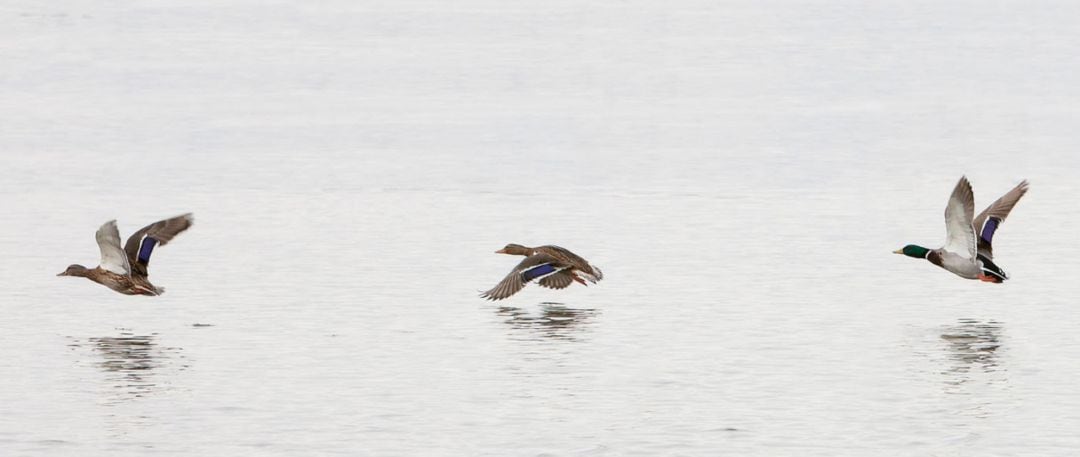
[
  {"x": 125, "y": 270},
  {"x": 554, "y": 267}
]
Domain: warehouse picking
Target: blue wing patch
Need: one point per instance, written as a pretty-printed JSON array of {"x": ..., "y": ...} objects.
[
  {"x": 988, "y": 229},
  {"x": 537, "y": 271},
  {"x": 146, "y": 249}
]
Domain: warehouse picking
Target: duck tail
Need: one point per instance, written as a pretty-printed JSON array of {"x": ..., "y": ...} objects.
[
  {"x": 991, "y": 272},
  {"x": 592, "y": 277}
]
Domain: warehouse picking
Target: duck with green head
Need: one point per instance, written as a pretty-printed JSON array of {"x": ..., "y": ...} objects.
[{"x": 968, "y": 251}]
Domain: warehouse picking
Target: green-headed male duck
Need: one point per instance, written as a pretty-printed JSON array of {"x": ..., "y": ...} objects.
[{"x": 968, "y": 252}]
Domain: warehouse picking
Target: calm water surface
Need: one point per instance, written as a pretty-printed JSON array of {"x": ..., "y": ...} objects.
[{"x": 740, "y": 171}]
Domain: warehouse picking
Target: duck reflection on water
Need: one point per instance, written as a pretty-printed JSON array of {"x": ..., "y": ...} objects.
[
  {"x": 554, "y": 320},
  {"x": 972, "y": 345},
  {"x": 132, "y": 364}
]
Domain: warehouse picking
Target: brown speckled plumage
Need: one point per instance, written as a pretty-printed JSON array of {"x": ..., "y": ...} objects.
[
  {"x": 568, "y": 267},
  {"x": 124, "y": 270}
]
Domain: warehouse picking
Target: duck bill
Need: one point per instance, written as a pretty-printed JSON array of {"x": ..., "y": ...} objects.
[
  {"x": 501, "y": 251},
  {"x": 62, "y": 273},
  {"x": 898, "y": 251}
]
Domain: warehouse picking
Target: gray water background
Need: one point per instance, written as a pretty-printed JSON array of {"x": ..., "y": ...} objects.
[{"x": 740, "y": 170}]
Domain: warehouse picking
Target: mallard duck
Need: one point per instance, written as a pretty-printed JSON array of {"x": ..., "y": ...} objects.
[
  {"x": 552, "y": 266},
  {"x": 968, "y": 252},
  {"x": 124, "y": 270}
]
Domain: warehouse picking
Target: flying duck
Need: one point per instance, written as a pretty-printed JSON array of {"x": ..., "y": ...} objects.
[
  {"x": 551, "y": 266},
  {"x": 125, "y": 269},
  {"x": 968, "y": 252}
]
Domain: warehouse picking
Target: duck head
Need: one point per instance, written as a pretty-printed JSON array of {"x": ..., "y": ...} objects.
[
  {"x": 515, "y": 249},
  {"x": 913, "y": 250},
  {"x": 75, "y": 270}
]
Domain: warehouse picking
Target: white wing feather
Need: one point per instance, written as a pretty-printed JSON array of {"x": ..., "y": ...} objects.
[
  {"x": 960, "y": 234},
  {"x": 113, "y": 257}
]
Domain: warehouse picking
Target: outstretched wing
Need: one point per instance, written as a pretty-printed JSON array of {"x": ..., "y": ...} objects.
[
  {"x": 141, "y": 244},
  {"x": 959, "y": 233},
  {"x": 988, "y": 221},
  {"x": 533, "y": 267},
  {"x": 112, "y": 257},
  {"x": 560, "y": 280}
]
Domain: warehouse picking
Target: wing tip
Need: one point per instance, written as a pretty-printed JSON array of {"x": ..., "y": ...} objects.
[
  {"x": 964, "y": 181},
  {"x": 490, "y": 296},
  {"x": 189, "y": 220}
]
